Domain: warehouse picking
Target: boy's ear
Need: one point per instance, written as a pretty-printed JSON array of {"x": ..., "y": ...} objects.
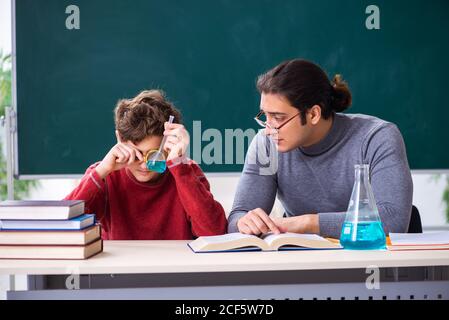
[{"x": 117, "y": 135}]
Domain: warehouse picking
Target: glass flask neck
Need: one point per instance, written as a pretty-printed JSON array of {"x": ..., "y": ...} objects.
[{"x": 362, "y": 173}]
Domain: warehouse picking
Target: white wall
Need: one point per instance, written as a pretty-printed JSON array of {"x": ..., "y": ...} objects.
[
  {"x": 5, "y": 25},
  {"x": 427, "y": 197}
]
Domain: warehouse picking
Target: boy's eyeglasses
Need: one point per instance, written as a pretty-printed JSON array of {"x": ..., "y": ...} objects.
[
  {"x": 264, "y": 124},
  {"x": 147, "y": 157}
]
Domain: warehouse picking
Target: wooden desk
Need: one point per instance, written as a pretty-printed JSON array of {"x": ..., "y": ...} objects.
[{"x": 169, "y": 269}]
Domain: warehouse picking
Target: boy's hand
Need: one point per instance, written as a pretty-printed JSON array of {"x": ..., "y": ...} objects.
[
  {"x": 257, "y": 222},
  {"x": 120, "y": 155},
  {"x": 178, "y": 140}
]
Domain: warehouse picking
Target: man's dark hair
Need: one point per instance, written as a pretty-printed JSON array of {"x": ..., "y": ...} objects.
[{"x": 304, "y": 84}]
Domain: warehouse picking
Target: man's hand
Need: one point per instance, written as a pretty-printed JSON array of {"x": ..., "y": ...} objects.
[
  {"x": 257, "y": 222},
  {"x": 307, "y": 223}
]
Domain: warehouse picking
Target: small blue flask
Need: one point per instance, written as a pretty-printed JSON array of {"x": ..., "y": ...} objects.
[{"x": 362, "y": 229}]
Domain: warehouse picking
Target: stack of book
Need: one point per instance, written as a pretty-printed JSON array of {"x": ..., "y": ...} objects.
[{"x": 48, "y": 230}]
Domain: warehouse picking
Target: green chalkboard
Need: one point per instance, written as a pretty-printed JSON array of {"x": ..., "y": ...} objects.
[{"x": 206, "y": 56}]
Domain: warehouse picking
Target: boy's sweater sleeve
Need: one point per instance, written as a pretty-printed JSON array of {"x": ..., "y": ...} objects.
[
  {"x": 91, "y": 189},
  {"x": 206, "y": 215}
]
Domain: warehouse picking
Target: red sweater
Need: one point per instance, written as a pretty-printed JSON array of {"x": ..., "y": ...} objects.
[{"x": 177, "y": 207}]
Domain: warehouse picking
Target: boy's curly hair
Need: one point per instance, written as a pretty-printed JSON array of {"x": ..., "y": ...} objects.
[{"x": 143, "y": 115}]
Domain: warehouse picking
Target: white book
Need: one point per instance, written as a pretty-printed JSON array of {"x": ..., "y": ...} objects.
[
  {"x": 77, "y": 223},
  {"x": 41, "y": 209},
  {"x": 419, "y": 241}
]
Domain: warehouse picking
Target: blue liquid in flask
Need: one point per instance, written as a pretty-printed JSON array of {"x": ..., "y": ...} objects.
[
  {"x": 157, "y": 166},
  {"x": 362, "y": 229},
  {"x": 366, "y": 235}
]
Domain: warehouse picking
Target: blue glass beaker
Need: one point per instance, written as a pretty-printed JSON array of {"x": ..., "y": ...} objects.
[{"x": 362, "y": 229}]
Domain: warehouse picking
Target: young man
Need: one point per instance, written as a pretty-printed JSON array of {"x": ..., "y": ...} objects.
[
  {"x": 317, "y": 148},
  {"x": 133, "y": 203}
]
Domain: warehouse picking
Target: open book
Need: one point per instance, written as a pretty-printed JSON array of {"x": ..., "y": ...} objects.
[{"x": 266, "y": 242}]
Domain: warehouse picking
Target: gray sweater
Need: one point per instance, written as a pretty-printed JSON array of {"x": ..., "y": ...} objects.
[{"x": 319, "y": 178}]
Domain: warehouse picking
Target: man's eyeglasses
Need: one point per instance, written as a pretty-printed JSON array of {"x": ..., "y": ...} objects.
[{"x": 264, "y": 124}]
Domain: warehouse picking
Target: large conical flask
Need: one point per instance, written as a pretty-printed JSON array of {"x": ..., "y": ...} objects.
[{"x": 362, "y": 229}]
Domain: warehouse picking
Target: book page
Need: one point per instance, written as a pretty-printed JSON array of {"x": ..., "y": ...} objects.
[
  {"x": 227, "y": 242},
  {"x": 227, "y": 237},
  {"x": 312, "y": 241},
  {"x": 270, "y": 237}
]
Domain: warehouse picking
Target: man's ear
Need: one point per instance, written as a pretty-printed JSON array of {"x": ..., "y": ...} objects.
[
  {"x": 315, "y": 114},
  {"x": 117, "y": 135}
]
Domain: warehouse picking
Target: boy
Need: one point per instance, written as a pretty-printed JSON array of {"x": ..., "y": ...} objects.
[{"x": 133, "y": 203}]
